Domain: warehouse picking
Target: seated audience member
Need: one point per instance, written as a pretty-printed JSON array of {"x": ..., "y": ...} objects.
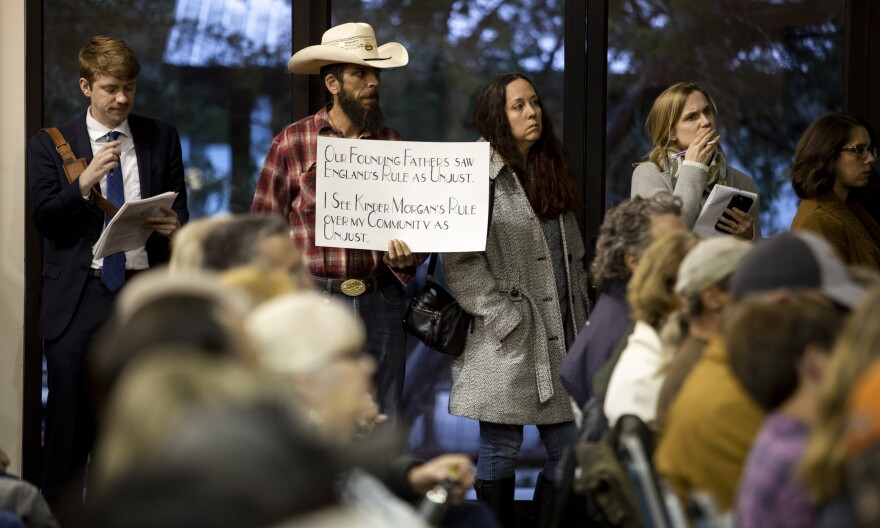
[
  {"x": 834, "y": 158},
  {"x": 154, "y": 395},
  {"x": 686, "y": 158},
  {"x": 625, "y": 233},
  {"x": 713, "y": 421},
  {"x": 313, "y": 346},
  {"x": 247, "y": 240},
  {"x": 637, "y": 377},
  {"x": 192, "y": 440},
  {"x": 822, "y": 465},
  {"x": 779, "y": 346},
  {"x": 23, "y": 500},
  {"x": 159, "y": 308},
  {"x": 259, "y": 240},
  {"x": 259, "y": 284},
  {"x": 188, "y": 247},
  {"x": 703, "y": 286},
  {"x": 861, "y": 444}
]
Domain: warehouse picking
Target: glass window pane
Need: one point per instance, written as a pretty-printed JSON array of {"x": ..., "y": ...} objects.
[
  {"x": 772, "y": 68},
  {"x": 213, "y": 68},
  {"x": 456, "y": 46}
]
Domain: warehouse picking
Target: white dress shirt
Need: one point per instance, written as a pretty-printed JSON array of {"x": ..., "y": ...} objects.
[{"x": 135, "y": 259}]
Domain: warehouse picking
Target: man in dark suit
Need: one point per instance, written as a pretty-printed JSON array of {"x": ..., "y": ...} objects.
[{"x": 78, "y": 293}]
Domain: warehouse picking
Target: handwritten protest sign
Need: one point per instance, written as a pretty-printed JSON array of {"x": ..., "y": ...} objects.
[{"x": 433, "y": 196}]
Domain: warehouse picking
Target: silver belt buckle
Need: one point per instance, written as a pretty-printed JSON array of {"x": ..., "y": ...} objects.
[{"x": 353, "y": 287}]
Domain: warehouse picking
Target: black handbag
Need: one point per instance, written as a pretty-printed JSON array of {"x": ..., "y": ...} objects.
[{"x": 436, "y": 318}]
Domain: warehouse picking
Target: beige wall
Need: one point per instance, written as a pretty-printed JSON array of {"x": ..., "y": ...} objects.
[{"x": 12, "y": 185}]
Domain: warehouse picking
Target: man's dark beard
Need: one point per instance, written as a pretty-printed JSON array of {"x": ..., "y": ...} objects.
[{"x": 366, "y": 118}]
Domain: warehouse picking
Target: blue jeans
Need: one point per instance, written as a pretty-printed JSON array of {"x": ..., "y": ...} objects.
[
  {"x": 382, "y": 312},
  {"x": 500, "y": 443}
]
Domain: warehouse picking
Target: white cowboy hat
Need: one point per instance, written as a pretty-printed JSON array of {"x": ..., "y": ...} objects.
[{"x": 352, "y": 43}]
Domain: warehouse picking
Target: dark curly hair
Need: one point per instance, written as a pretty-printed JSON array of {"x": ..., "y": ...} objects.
[
  {"x": 627, "y": 229},
  {"x": 555, "y": 190},
  {"x": 812, "y": 173}
]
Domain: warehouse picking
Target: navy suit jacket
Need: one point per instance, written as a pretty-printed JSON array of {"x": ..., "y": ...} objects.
[{"x": 71, "y": 225}]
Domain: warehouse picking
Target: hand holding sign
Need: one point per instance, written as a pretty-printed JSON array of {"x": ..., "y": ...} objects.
[
  {"x": 374, "y": 194},
  {"x": 398, "y": 254}
]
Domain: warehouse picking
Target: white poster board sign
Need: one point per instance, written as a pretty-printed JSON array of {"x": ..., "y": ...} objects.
[{"x": 433, "y": 196}]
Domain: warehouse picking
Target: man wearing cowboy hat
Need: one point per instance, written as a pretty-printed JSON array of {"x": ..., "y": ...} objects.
[{"x": 349, "y": 61}]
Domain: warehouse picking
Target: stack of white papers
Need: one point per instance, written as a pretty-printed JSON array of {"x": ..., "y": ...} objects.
[
  {"x": 714, "y": 208},
  {"x": 128, "y": 228}
]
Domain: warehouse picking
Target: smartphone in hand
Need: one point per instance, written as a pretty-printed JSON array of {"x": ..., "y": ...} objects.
[{"x": 738, "y": 201}]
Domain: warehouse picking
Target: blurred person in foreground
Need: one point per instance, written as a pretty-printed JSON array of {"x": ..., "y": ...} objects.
[
  {"x": 188, "y": 243},
  {"x": 312, "y": 346},
  {"x": 526, "y": 292},
  {"x": 22, "y": 499},
  {"x": 254, "y": 241},
  {"x": 822, "y": 465},
  {"x": 258, "y": 283},
  {"x": 861, "y": 444},
  {"x": 779, "y": 346},
  {"x": 703, "y": 288},
  {"x": 712, "y": 423},
  {"x": 625, "y": 233},
  {"x": 194, "y": 440},
  {"x": 162, "y": 308},
  {"x": 636, "y": 380},
  {"x": 252, "y": 254},
  {"x": 687, "y": 160}
]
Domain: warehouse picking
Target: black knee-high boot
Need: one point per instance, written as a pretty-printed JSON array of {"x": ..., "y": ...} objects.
[
  {"x": 498, "y": 495},
  {"x": 544, "y": 503}
]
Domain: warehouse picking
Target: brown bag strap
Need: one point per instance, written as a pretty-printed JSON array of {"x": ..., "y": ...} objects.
[{"x": 74, "y": 167}]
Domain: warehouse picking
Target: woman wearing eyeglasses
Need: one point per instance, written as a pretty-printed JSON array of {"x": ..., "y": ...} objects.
[{"x": 834, "y": 156}]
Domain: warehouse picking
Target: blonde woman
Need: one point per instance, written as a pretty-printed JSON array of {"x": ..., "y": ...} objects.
[
  {"x": 687, "y": 160},
  {"x": 856, "y": 349},
  {"x": 638, "y": 376}
]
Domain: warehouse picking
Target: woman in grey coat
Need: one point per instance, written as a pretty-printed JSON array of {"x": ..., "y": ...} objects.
[
  {"x": 527, "y": 293},
  {"x": 687, "y": 161}
]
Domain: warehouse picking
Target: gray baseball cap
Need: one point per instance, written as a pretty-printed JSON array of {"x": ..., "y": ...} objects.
[{"x": 796, "y": 261}]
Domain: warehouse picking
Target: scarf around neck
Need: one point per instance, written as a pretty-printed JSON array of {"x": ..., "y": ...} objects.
[{"x": 717, "y": 168}]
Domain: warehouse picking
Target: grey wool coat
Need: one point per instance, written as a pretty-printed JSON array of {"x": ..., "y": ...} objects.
[{"x": 509, "y": 370}]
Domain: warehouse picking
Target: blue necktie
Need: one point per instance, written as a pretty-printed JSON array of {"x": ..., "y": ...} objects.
[{"x": 113, "y": 275}]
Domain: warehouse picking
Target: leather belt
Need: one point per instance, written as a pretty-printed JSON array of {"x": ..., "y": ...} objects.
[
  {"x": 95, "y": 274},
  {"x": 354, "y": 287}
]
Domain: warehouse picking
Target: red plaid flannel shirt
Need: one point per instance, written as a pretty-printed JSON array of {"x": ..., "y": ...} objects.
[{"x": 287, "y": 187}]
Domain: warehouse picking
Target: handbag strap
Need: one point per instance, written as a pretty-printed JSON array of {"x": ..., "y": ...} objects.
[
  {"x": 74, "y": 167},
  {"x": 434, "y": 257},
  {"x": 429, "y": 274}
]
